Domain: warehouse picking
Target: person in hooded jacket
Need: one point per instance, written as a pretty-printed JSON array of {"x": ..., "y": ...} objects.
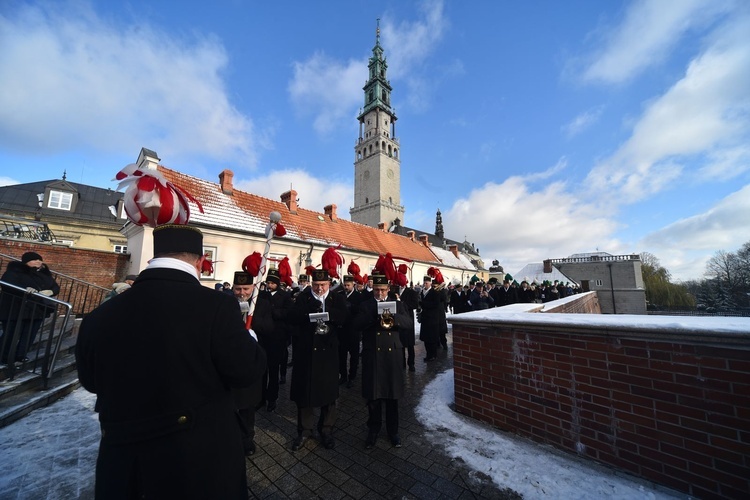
[{"x": 32, "y": 274}]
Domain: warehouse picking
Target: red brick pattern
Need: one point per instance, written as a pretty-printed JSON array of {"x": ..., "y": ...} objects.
[
  {"x": 93, "y": 266},
  {"x": 674, "y": 412}
]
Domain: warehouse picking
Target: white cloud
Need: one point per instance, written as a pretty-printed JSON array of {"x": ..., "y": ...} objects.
[
  {"x": 582, "y": 121},
  {"x": 648, "y": 33},
  {"x": 704, "y": 113},
  {"x": 74, "y": 79},
  {"x": 7, "y": 181},
  {"x": 516, "y": 225},
  {"x": 313, "y": 193},
  {"x": 405, "y": 46},
  {"x": 342, "y": 84},
  {"x": 685, "y": 246}
]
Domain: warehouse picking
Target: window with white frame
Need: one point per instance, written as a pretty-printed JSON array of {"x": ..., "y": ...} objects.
[
  {"x": 60, "y": 200},
  {"x": 599, "y": 283},
  {"x": 121, "y": 249}
]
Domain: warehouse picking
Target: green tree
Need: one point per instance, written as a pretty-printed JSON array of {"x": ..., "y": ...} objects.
[{"x": 660, "y": 291}]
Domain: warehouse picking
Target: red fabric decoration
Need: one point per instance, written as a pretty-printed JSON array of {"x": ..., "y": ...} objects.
[
  {"x": 403, "y": 268},
  {"x": 353, "y": 268},
  {"x": 401, "y": 278},
  {"x": 152, "y": 200},
  {"x": 251, "y": 264},
  {"x": 280, "y": 230},
  {"x": 331, "y": 261},
  {"x": 309, "y": 270},
  {"x": 436, "y": 275},
  {"x": 285, "y": 271},
  {"x": 207, "y": 267},
  {"x": 387, "y": 267}
]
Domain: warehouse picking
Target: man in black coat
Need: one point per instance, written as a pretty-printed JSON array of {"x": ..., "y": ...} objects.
[
  {"x": 410, "y": 299},
  {"x": 33, "y": 275},
  {"x": 506, "y": 294},
  {"x": 382, "y": 358},
  {"x": 432, "y": 318},
  {"x": 315, "y": 354},
  {"x": 162, "y": 359},
  {"x": 349, "y": 337},
  {"x": 275, "y": 339}
]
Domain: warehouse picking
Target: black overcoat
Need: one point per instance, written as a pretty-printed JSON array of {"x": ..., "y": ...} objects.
[
  {"x": 161, "y": 360},
  {"x": 432, "y": 318},
  {"x": 315, "y": 377},
  {"x": 382, "y": 351},
  {"x": 410, "y": 299},
  {"x": 24, "y": 276},
  {"x": 276, "y": 338}
]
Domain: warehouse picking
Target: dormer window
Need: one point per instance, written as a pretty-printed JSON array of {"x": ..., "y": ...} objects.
[{"x": 60, "y": 200}]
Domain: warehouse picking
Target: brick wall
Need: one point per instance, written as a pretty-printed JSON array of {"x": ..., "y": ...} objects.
[
  {"x": 667, "y": 404},
  {"x": 93, "y": 266}
]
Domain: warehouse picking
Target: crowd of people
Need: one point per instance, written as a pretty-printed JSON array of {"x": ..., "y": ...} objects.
[{"x": 182, "y": 425}]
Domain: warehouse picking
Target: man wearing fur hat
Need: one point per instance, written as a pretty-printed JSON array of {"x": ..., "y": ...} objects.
[
  {"x": 382, "y": 358},
  {"x": 315, "y": 377},
  {"x": 162, "y": 359},
  {"x": 34, "y": 276}
]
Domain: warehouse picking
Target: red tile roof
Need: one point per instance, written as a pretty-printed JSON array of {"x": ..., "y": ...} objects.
[{"x": 247, "y": 212}]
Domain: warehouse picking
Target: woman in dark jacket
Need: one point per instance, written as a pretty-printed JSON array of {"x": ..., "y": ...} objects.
[{"x": 33, "y": 275}]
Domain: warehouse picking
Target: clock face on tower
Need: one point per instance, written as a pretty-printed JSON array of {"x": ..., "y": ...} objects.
[{"x": 390, "y": 173}]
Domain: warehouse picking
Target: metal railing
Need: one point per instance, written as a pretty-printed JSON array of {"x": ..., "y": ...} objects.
[{"x": 24, "y": 318}]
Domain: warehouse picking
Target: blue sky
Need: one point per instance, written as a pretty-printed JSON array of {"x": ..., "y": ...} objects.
[{"x": 539, "y": 129}]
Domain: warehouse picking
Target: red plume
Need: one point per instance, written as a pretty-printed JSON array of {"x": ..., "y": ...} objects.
[
  {"x": 285, "y": 271},
  {"x": 387, "y": 267},
  {"x": 436, "y": 275},
  {"x": 331, "y": 261},
  {"x": 309, "y": 270},
  {"x": 361, "y": 279},
  {"x": 353, "y": 268},
  {"x": 251, "y": 264},
  {"x": 280, "y": 230},
  {"x": 401, "y": 279},
  {"x": 207, "y": 267}
]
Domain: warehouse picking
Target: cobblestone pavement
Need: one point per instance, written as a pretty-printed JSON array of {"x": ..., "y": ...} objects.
[{"x": 417, "y": 470}]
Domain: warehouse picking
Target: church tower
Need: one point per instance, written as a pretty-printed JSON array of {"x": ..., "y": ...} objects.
[{"x": 377, "y": 164}]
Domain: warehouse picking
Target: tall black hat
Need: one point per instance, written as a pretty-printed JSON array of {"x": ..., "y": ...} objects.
[
  {"x": 177, "y": 238},
  {"x": 242, "y": 278}
]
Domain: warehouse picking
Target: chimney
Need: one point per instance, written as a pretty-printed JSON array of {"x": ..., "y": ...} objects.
[
  {"x": 411, "y": 235},
  {"x": 290, "y": 200},
  {"x": 225, "y": 180},
  {"x": 381, "y": 226},
  {"x": 424, "y": 239},
  {"x": 454, "y": 250},
  {"x": 547, "y": 266},
  {"x": 147, "y": 159},
  {"x": 330, "y": 211}
]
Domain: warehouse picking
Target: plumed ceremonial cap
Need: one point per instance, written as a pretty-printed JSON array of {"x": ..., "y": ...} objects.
[
  {"x": 348, "y": 278},
  {"x": 426, "y": 278},
  {"x": 320, "y": 275},
  {"x": 379, "y": 279},
  {"x": 302, "y": 277},
  {"x": 242, "y": 278},
  {"x": 273, "y": 276},
  {"x": 177, "y": 238},
  {"x": 29, "y": 256}
]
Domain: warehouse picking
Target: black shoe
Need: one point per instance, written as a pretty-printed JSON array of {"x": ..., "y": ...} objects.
[
  {"x": 370, "y": 441},
  {"x": 328, "y": 442},
  {"x": 298, "y": 442},
  {"x": 411, "y": 368},
  {"x": 396, "y": 441},
  {"x": 249, "y": 446},
  {"x": 427, "y": 360},
  {"x": 282, "y": 380},
  {"x": 271, "y": 406}
]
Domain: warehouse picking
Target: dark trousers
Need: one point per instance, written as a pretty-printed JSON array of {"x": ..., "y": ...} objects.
[
  {"x": 27, "y": 334},
  {"x": 284, "y": 362},
  {"x": 349, "y": 351},
  {"x": 375, "y": 415},
  {"x": 247, "y": 423},
  {"x": 271, "y": 381},
  {"x": 306, "y": 417},
  {"x": 431, "y": 349},
  {"x": 409, "y": 356}
]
